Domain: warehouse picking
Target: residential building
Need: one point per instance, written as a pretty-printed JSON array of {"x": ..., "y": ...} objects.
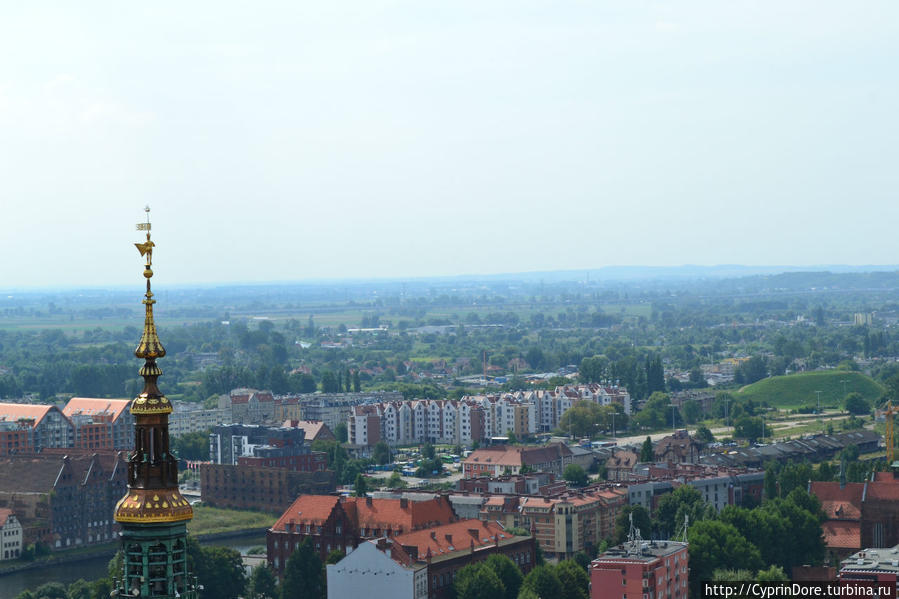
[
  {"x": 189, "y": 417},
  {"x": 63, "y": 500},
  {"x": 101, "y": 423},
  {"x": 678, "y": 448},
  {"x": 46, "y": 425},
  {"x": 10, "y": 535},
  {"x": 334, "y": 522},
  {"x": 268, "y": 489},
  {"x": 314, "y": 430},
  {"x": 448, "y": 548},
  {"x": 873, "y": 565},
  {"x": 281, "y": 447},
  {"x": 498, "y": 460},
  {"x": 638, "y": 569},
  {"x": 15, "y": 437},
  {"x": 372, "y": 573},
  {"x": 249, "y": 406}
]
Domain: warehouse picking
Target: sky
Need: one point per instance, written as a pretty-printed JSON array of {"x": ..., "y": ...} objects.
[{"x": 286, "y": 141}]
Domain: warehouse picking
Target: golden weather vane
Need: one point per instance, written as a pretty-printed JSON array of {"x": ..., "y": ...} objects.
[{"x": 146, "y": 248}]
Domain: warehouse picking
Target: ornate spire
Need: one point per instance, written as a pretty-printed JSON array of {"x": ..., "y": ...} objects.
[{"x": 151, "y": 400}]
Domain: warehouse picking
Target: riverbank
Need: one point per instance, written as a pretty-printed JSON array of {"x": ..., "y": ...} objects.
[{"x": 109, "y": 549}]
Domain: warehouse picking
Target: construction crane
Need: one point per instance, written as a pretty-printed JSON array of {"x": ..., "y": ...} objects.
[{"x": 888, "y": 419}]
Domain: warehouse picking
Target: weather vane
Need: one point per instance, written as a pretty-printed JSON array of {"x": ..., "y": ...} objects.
[{"x": 146, "y": 248}]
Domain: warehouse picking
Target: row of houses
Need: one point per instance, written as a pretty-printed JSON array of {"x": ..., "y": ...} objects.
[
  {"x": 63, "y": 497},
  {"x": 87, "y": 423},
  {"x": 474, "y": 417}
]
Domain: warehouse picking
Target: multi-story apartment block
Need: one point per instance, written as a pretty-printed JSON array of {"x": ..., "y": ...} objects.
[
  {"x": 46, "y": 426},
  {"x": 651, "y": 570},
  {"x": 471, "y": 418},
  {"x": 101, "y": 423},
  {"x": 189, "y": 417}
]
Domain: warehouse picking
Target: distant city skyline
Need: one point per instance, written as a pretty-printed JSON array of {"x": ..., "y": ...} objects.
[{"x": 308, "y": 141}]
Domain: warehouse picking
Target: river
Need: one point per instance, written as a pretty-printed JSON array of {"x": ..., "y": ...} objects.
[{"x": 94, "y": 568}]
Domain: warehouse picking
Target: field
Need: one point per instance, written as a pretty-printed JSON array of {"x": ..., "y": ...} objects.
[
  {"x": 795, "y": 390},
  {"x": 211, "y": 520}
]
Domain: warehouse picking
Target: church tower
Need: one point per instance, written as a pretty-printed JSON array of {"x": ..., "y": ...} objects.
[{"x": 153, "y": 514}]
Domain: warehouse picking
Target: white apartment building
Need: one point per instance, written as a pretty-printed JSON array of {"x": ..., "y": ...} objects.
[{"x": 472, "y": 418}]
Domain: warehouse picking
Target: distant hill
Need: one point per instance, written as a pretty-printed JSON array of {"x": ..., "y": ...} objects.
[{"x": 795, "y": 390}]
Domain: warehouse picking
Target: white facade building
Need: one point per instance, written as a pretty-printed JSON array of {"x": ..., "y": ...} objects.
[
  {"x": 10, "y": 535},
  {"x": 370, "y": 573}
]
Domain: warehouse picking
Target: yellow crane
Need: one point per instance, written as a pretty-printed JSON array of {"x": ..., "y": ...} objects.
[{"x": 888, "y": 419}]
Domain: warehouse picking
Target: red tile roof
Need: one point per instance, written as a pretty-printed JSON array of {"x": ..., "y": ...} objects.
[
  {"x": 365, "y": 512},
  {"x": 842, "y": 535},
  {"x": 390, "y": 513},
  {"x": 14, "y": 411},
  {"x": 4, "y": 514},
  {"x": 840, "y": 503},
  {"x": 450, "y": 538},
  {"x": 90, "y": 406},
  {"x": 315, "y": 509},
  {"x": 313, "y": 429}
]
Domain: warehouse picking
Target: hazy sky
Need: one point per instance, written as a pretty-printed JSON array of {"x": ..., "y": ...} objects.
[{"x": 294, "y": 140}]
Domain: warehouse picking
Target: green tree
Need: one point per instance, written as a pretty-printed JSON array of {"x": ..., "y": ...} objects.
[
  {"x": 704, "y": 435},
  {"x": 340, "y": 432},
  {"x": 361, "y": 485},
  {"x": 50, "y": 590},
  {"x": 715, "y": 545},
  {"x": 691, "y": 411},
  {"x": 772, "y": 574},
  {"x": 357, "y": 382},
  {"x": 507, "y": 572},
  {"x": 750, "y": 428},
  {"x": 476, "y": 581},
  {"x": 218, "y": 569},
  {"x": 381, "y": 453},
  {"x": 192, "y": 446},
  {"x": 80, "y": 589},
  {"x": 427, "y": 451},
  {"x": 263, "y": 583},
  {"x": 303, "y": 574},
  {"x": 728, "y": 575},
  {"x": 574, "y": 579},
  {"x": 642, "y": 523},
  {"x": 396, "y": 481},
  {"x": 646, "y": 452},
  {"x": 335, "y": 556},
  {"x": 575, "y": 475},
  {"x": 543, "y": 581},
  {"x": 673, "y": 508},
  {"x": 855, "y": 403}
]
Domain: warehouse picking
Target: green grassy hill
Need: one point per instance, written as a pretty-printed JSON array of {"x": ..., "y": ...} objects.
[{"x": 795, "y": 390}]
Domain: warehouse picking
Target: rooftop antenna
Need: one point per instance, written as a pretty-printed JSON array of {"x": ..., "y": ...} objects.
[
  {"x": 634, "y": 538},
  {"x": 682, "y": 537}
]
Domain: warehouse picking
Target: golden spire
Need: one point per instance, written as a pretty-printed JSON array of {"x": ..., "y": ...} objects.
[{"x": 151, "y": 400}]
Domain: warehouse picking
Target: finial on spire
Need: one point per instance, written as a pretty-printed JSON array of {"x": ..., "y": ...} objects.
[{"x": 150, "y": 347}]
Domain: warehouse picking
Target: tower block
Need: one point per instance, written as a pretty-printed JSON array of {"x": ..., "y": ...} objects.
[{"x": 153, "y": 514}]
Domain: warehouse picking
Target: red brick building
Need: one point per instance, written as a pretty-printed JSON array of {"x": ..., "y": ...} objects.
[
  {"x": 260, "y": 488},
  {"x": 859, "y": 514},
  {"x": 334, "y": 522},
  {"x": 641, "y": 570}
]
